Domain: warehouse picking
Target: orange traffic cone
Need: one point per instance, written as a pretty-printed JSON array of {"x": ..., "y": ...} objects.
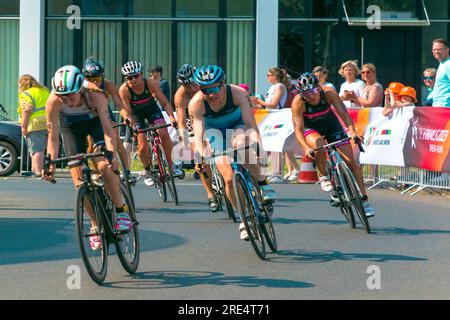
[{"x": 308, "y": 174}]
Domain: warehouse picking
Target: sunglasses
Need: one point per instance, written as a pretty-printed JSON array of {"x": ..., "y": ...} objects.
[
  {"x": 95, "y": 79},
  {"x": 66, "y": 96},
  {"x": 268, "y": 75},
  {"x": 136, "y": 76},
  {"x": 211, "y": 90},
  {"x": 310, "y": 93},
  {"x": 366, "y": 72},
  {"x": 429, "y": 78}
]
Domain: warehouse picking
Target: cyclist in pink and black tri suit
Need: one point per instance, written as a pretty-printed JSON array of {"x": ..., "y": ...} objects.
[
  {"x": 313, "y": 119},
  {"x": 137, "y": 93}
]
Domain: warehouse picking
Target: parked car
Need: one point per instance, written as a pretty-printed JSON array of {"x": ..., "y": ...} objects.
[{"x": 10, "y": 146}]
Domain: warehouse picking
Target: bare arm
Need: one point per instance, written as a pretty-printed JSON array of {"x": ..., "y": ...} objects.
[
  {"x": 52, "y": 109},
  {"x": 125, "y": 110},
  {"x": 197, "y": 110},
  {"x": 27, "y": 110},
  {"x": 181, "y": 104},
  {"x": 373, "y": 100},
  {"x": 297, "y": 109},
  {"x": 154, "y": 88},
  {"x": 101, "y": 104},
  {"x": 279, "y": 92},
  {"x": 240, "y": 98}
]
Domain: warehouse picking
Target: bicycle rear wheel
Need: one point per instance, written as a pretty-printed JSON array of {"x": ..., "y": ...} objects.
[
  {"x": 344, "y": 206},
  {"x": 355, "y": 198},
  {"x": 128, "y": 245},
  {"x": 248, "y": 215},
  {"x": 223, "y": 197},
  {"x": 168, "y": 175},
  {"x": 160, "y": 183},
  {"x": 86, "y": 215}
]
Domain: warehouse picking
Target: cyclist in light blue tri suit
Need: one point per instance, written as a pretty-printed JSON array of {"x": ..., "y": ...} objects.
[{"x": 224, "y": 112}]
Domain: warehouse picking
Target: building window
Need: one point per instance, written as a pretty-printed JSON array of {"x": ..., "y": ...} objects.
[
  {"x": 325, "y": 8},
  {"x": 292, "y": 47},
  {"x": 10, "y": 8},
  {"x": 292, "y": 9},
  {"x": 58, "y": 7},
  {"x": 197, "y": 8},
  {"x": 240, "y": 8},
  {"x": 389, "y": 8},
  {"x": 152, "y": 8}
]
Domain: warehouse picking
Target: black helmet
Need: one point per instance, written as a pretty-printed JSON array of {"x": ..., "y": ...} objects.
[
  {"x": 306, "y": 82},
  {"x": 92, "y": 68},
  {"x": 186, "y": 74}
]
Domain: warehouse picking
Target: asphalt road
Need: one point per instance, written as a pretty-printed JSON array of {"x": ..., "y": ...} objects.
[{"x": 190, "y": 253}]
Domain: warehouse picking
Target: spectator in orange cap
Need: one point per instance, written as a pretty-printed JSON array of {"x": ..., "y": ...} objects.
[{"x": 406, "y": 98}]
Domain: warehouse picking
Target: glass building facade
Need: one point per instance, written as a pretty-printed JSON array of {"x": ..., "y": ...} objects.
[{"x": 172, "y": 32}]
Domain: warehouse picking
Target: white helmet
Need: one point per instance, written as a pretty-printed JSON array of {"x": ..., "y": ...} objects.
[
  {"x": 131, "y": 68},
  {"x": 67, "y": 79}
]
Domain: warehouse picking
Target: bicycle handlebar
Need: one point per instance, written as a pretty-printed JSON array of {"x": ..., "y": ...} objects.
[
  {"x": 334, "y": 144},
  {"x": 78, "y": 157}
]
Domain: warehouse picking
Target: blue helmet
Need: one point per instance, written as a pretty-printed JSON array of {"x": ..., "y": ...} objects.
[
  {"x": 92, "y": 68},
  {"x": 207, "y": 75}
]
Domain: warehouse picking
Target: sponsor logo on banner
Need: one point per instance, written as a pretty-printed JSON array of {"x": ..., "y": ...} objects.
[
  {"x": 378, "y": 138},
  {"x": 269, "y": 130}
]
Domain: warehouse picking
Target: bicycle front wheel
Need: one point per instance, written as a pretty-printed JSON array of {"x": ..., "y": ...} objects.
[
  {"x": 344, "y": 206},
  {"x": 91, "y": 234},
  {"x": 249, "y": 215},
  {"x": 355, "y": 198},
  {"x": 168, "y": 175},
  {"x": 160, "y": 183},
  {"x": 266, "y": 211},
  {"x": 128, "y": 245},
  {"x": 125, "y": 177}
]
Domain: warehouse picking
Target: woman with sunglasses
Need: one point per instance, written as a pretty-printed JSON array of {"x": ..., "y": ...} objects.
[
  {"x": 223, "y": 112},
  {"x": 94, "y": 75},
  {"x": 137, "y": 94},
  {"x": 372, "y": 95},
  {"x": 314, "y": 119},
  {"x": 80, "y": 113},
  {"x": 184, "y": 94}
]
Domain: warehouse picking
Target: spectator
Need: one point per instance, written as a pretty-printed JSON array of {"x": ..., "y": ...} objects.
[
  {"x": 391, "y": 97},
  {"x": 372, "y": 94},
  {"x": 156, "y": 74},
  {"x": 32, "y": 99},
  {"x": 322, "y": 74},
  {"x": 429, "y": 79},
  {"x": 277, "y": 94},
  {"x": 405, "y": 98},
  {"x": 276, "y": 98},
  {"x": 441, "y": 90},
  {"x": 349, "y": 70}
]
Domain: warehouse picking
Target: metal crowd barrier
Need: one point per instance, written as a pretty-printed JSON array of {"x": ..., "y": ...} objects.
[{"x": 413, "y": 177}]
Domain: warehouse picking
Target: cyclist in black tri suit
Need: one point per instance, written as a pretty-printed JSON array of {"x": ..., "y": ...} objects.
[
  {"x": 313, "y": 118},
  {"x": 137, "y": 94},
  {"x": 184, "y": 94}
]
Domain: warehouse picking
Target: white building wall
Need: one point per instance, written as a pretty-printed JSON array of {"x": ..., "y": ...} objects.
[
  {"x": 266, "y": 42},
  {"x": 32, "y": 40}
]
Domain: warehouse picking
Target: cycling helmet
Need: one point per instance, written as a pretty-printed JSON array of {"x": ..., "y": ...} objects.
[
  {"x": 92, "y": 68},
  {"x": 306, "y": 82},
  {"x": 131, "y": 68},
  {"x": 67, "y": 79},
  {"x": 208, "y": 75},
  {"x": 186, "y": 74}
]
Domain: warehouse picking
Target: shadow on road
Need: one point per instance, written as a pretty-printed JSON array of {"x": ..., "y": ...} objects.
[
  {"x": 406, "y": 232},
  {"x": 178, "y": 279},
  {"x": 307, "y": 221},
  {"x": 39, "y": 240},
  {"x": 302, "y": 200},
  {"x": 299, "y": 256}
]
